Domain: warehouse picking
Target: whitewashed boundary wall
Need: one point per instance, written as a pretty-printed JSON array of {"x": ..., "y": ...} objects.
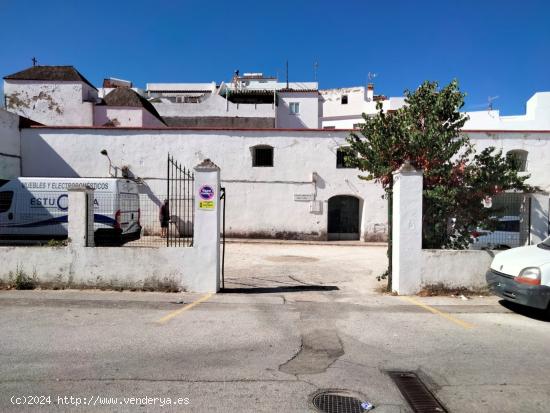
[
  {"x": 415, "y": 268},
  {"x": 195, "y": 268},
  {"x": 455, "y": 268}
]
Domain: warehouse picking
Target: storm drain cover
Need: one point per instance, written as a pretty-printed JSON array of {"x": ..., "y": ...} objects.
[
  {"x": 416, "y": 393},
  {"x": 337, "y": 401}
]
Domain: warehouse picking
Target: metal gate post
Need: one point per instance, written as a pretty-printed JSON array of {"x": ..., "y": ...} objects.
[{"x": 223, "y": 198}]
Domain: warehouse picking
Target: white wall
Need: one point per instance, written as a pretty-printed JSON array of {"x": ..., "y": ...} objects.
[
  {"x": 10, "y": 145},
  {"x": 536, "y": 117},
  {"x": 149, "y": 120},
  {"x": 332, "y": 101},
  {"x": 215, "y": 105},
  {"x": 125, "y": 116},
  {"x": 260, "y": 201},
  {"x": 132, "y": 267},
  {"x": 308, "y": 116},
  {"x": 51, "y": 103},
  {"x": 454, "y": 268},
  {"x": 336, "y": 115},
  {"x": 537, "y": 144}
]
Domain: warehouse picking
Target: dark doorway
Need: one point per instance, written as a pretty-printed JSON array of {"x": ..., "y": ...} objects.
[{"x": 343, "y": 218}]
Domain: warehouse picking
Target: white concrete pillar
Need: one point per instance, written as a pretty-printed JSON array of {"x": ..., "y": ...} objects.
[
  {"x": 538, "y": 218},
  {"x": 206, "y": 233},
  {"x": 407, "y": 230},
  {"x": 81, "y": 217}
]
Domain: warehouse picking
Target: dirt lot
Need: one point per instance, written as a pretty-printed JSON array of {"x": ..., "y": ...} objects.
[{"x": 349, "y": 268}]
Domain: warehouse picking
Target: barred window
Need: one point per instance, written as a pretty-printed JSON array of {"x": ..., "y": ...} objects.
[
  {"x": 520, "y": 158},
  {"x": 341, "y": 160},
  {"x": 262, "y": 156}
]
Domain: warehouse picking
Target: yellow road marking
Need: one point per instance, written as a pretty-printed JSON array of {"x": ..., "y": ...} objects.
[
  {"x": 186, "y": 307},
  {"x": 449, "y": 317}
]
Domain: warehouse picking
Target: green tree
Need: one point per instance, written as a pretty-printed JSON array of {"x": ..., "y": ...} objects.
[{"x": 426, "y": 132}]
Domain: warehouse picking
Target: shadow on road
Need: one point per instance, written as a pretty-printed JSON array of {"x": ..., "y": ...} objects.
[
  {"x": 281, "y": 289},
  {"x": 534, "y": 313}
]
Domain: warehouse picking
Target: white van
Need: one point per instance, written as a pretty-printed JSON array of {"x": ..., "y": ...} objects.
[
  {"x": 36, "y": 209},
  {"x": 522, "y": 275}
]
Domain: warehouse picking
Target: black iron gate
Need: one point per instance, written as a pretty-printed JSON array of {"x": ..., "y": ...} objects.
[{"x": 181, "y": 203}]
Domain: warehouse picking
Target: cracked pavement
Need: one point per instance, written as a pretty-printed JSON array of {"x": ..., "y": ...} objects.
[{"x": 296, "y": 319}]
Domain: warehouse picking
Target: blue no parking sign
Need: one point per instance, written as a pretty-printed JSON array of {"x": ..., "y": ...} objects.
[{"x": 206, "y": 195}]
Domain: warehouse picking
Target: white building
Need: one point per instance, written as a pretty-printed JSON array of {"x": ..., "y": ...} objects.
[
  {"x": 344, "y": 108},
  {"x": 279, "y": 183},
  {"x": 124, "y": 107},
  {"x": 61, "y": 96},
  {"x": 250, "y": 101},
  {"x": 536, "y": 117},
  {"x": 111, "y": 83},
  {"x": 285, "y": 179},
  {"x": 51, "y": 95}
]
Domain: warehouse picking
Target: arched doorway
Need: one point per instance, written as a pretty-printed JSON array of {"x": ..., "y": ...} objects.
[{"x": 343, "y": 218}]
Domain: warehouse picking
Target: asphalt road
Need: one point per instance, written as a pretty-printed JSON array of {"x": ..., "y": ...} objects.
[{"x": 297, "y": 319}]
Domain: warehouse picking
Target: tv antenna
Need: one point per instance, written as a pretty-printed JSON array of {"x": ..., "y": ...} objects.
[
  {"x": 490, "y": 101},
  {"x": 315, "y": 68},
  {"x": 34, "y": 61}
]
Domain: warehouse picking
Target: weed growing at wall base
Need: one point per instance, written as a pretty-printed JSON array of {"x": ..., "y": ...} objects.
[{"x": 20, "y": 280}]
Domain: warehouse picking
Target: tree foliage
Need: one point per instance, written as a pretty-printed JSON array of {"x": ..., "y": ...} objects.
[{"x": 427, "y": 132}]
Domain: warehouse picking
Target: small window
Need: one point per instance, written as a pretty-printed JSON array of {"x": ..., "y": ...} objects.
[
  {"x": 294, "y": 108},
  {"x": 344, "y": 99},
  {"x": 262, "y": 156},
  {"x": 341, "y": 159},
  {"x": 520, "y": 158},
  {"x": 508, "y": 226},
  {"x": 5, "y": 200}
]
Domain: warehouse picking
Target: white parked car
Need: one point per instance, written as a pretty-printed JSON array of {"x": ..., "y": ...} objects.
[
  {"x": 505, "y": 236},
  {"x": 522, "y": 275}
]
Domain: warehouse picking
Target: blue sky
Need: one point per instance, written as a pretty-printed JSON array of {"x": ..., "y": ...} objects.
[{"x": 494, "y": 48}]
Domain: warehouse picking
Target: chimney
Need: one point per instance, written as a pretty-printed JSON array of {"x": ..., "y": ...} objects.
[{"x": 370, "y": 92}]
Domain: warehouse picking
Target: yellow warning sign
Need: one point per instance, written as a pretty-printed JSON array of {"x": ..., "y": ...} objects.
[{"x": 206, "y": 204}]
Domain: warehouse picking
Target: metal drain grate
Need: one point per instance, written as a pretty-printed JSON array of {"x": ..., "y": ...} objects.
[
  {"x": 337, "y": 401},
  {"x": 416, "y": 393}
]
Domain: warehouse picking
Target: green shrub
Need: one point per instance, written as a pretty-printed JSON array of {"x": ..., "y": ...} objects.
[{"x": 22, "y": 281}]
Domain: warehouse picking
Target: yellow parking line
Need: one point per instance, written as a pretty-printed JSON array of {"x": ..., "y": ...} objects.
[
  {"x": 186, "y": 307},
  {"x": 449, "y": 317}
]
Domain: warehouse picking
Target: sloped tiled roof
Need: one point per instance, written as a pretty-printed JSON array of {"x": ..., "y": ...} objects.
[
  {"x": 126, "y": 97},
  {"x": 51, "y": 73}
]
